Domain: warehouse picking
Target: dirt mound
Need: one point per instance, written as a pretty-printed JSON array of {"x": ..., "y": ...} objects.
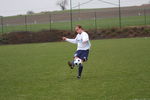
[
  {"x": 55, "y": 35},
  {"x": 127, "y": 32},
  {"x": 33, "y": 37}
]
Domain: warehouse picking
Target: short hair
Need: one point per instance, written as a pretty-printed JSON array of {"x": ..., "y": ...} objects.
[{"x": 79, "y": 26}]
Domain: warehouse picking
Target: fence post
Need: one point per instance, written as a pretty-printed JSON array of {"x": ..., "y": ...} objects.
[
  {"x": 26, "y": 23},
  {"x": 71, "y": 15},
  {"x": 120, "y": 24},
  {"x": 145, "y": 16},
  {"x": 95, "y": 22},
  {"x": 79, "y": 12},
  {"x": 2, "y": 24},
  {"x": 50, "y": 21}
]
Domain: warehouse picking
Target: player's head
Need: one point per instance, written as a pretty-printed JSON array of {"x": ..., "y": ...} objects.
[{"x": 79, "y": 29}]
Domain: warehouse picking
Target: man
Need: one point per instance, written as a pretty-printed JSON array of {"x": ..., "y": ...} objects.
[{"x": 83, "y": 46}]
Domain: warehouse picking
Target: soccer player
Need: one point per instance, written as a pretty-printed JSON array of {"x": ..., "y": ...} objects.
[{"x": 83, "y": 46}]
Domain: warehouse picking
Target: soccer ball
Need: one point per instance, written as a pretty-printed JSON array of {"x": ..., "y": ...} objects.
[{"x": 77, "y": 61}]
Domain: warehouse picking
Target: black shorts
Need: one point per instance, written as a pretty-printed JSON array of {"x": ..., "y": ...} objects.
[{"x": 82, "y": 54}]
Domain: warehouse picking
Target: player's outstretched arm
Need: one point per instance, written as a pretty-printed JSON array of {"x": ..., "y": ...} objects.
[
  {"x": 70, "y": 40},
  {"x": 64, "y": 38}
]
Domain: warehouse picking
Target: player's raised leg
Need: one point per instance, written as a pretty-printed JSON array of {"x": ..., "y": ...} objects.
[{"x": 74, "y": 62}]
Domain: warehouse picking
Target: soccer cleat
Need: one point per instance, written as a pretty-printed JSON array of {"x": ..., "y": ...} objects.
[
  {"x": 70, "y": 64},
  {"x": 78, "y": 77}
]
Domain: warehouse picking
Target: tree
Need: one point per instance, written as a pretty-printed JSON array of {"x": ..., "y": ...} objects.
[
  {"x": 30, "y": 12},
  {"x": 62, "y": 4}
]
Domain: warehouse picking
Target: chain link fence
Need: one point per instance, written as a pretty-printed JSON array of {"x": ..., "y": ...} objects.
[{"x": 89, "y": 19}]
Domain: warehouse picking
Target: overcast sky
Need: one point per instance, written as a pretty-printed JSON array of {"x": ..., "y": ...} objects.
[{"x": 16, "y": 7}]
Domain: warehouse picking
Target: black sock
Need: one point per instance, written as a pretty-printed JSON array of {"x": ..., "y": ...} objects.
[
  {"x": 73, "y": 63},
  {"x": 80, "y": 69}
]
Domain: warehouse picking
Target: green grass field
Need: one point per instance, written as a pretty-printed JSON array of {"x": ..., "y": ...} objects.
[
  {"x": 87, "y": 24},
  {"x": 118, "y": 69}
]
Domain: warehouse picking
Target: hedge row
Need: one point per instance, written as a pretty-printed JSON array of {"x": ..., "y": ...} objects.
[{"x": 55, "y": 35}]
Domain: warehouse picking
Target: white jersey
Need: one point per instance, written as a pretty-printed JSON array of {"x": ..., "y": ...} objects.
[{"x": 82, "y": 41}]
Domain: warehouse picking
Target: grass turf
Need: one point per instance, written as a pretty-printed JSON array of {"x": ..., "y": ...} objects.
[{"x": 118, "y": 69}]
